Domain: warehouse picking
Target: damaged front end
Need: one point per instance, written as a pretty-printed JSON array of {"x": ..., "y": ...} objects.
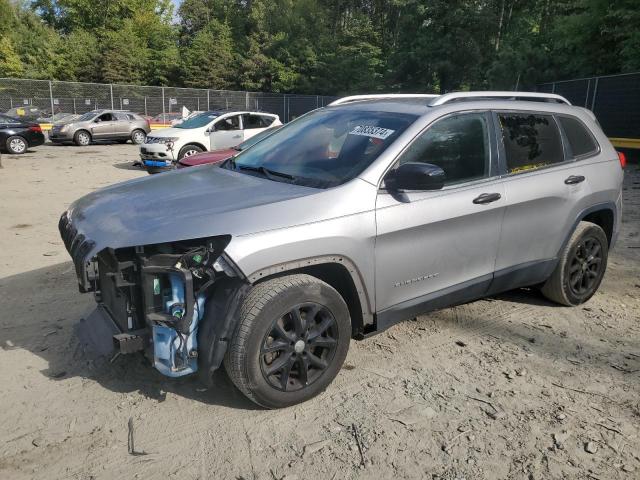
[{"x": 157, "y": 297}]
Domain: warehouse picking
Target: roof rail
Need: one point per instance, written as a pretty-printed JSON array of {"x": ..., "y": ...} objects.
[
  {"x": 527, "y": 96},
  {"x": 391, "y": 96}
]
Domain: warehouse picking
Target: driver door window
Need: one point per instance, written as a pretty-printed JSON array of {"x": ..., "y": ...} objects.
[
  {"x": 229, "y": 123},
  {"x": 103, "y": 126},
  {"x": 458, "y": 144}
]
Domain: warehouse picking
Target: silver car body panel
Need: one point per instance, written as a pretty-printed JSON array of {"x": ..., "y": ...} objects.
[{"x": 396, "y": 251}]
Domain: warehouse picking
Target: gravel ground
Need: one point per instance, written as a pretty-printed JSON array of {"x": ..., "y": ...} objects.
[{"x": 509, "y": 387}]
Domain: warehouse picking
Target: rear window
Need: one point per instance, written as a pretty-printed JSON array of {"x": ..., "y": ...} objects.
[
  {"x": 530, "y": 141},
  {"x": 580, "y": 140}
]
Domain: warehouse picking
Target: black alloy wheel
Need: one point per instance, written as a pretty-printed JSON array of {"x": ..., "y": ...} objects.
[
  {"x": 299, "y": 347},
  {"x": 585, "y": 265}
]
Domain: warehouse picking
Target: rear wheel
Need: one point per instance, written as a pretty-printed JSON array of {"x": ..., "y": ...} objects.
[
  {"x": 189, "y": 150},
  {"x": 82, "y": 138},
  {"x": 291, "y": 341},
  {"x": 581, "y": 267},
  {"x": 138, "y": 137},
  {"x": 16, "y": 145}
]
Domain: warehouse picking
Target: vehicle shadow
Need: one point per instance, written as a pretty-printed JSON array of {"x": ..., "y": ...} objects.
[
  {"x": 131, "y": 165},
  {"x": 40, "y": 313}
]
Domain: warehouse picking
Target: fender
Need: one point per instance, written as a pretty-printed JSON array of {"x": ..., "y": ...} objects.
[
  {"x": 594, "y": 208},
  {"x": 354, "y": 273}
]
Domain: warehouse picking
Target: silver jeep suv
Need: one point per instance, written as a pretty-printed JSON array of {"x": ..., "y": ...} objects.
[
  {"x": 351, "y": 218},
  {"x": 114, "y": 125}
]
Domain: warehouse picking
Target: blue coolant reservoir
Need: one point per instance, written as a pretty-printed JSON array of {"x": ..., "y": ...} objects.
[{"x": 173, "y": 352}]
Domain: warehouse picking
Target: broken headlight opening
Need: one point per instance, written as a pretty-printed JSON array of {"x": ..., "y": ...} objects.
[{"x": 156, "y": 295}]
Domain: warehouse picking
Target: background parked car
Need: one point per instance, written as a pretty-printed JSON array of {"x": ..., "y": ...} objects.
[
  {"x": 17, "y": 135},
  {"x": 101, "y": 125},
  {"x": 27, "y": 113},
  {"x": 213, "y": 130},
  {"x": 219, "y": 156},
  {"x": 167, "y": 118}
]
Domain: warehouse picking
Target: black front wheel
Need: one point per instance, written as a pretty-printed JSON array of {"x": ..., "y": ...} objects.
[
  {"x": 291, "y": 341},
  {"x": 581, "y": 267}
]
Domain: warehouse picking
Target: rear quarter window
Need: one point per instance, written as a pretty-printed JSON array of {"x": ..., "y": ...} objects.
[
  {"x": 580, "y": 139},
  {"x": 530, "y": 141}
]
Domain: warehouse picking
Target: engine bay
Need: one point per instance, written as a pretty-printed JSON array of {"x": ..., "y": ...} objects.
[{"x": 156, "y": 295}]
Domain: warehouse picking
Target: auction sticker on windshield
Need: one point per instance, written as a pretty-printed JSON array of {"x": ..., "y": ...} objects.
[{"x": 371, "y": 131}]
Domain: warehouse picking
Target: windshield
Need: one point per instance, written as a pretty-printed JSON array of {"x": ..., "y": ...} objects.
[
  {"x": 86, "y": 116},
  {"x": 324, "y": 148},
  {"x": 198, "y": 121},
  {"x": 256, "y": 138}
]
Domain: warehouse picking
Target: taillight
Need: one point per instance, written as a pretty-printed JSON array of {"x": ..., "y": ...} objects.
[
  {"x": 623, "y": 159},
  {"x": 36, "y": 128}
]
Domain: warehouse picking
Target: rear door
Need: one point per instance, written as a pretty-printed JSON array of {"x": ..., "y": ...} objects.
[
  {"x": 543, "y": 186},
  {"x": 122, "y": 125},
  {"x": 226, "y": 133},
  {"x": 441, "y": 245},
  {"x": 254, "y": 123}
]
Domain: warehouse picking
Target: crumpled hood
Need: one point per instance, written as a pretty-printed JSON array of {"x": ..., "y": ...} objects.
[{"x": 183, "y": 204}]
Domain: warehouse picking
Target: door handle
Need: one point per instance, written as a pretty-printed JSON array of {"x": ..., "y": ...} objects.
[
  {"x": 574, "y": 179},
  {"x": 485, "y": 198},
  {"x": 237, "y": 136}
]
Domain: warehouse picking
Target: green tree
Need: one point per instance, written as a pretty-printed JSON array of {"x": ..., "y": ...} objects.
[
  {"x": 10, "y": 63},
  {"x": 208, "y": 60}
]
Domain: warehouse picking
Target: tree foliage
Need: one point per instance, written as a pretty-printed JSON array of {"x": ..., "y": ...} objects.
[{"x": 320, "y": 46}]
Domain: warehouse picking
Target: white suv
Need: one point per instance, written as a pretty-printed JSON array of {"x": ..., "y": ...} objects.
[{"x": 211, "y": 130}]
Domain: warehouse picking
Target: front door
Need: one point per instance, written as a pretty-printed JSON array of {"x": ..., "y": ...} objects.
[
  {"x": 226, "y": 133},
  {"x": 102, "y": 126},
  {"x": 440, "y": 246}
]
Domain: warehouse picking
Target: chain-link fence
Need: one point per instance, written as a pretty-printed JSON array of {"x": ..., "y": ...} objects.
[
  {"x": 48, "y": 101},
  {"x": 615, "y": 99}
]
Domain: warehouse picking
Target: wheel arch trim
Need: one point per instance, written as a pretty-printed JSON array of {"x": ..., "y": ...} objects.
[
  {"x": 610, "y": 206},
  {"x": 300, "y": 264}
]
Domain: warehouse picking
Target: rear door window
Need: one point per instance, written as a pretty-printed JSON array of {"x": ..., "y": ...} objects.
[
  {"x": 580, "y": 139},
  {"x": 256, "y": 121},
  {"x": 530, "y": 141}
]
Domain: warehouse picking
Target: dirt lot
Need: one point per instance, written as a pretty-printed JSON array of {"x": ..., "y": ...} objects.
[{"x": 508, "y": 387}]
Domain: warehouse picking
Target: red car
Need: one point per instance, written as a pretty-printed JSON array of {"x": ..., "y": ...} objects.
[{"x": 219, "y": 156}]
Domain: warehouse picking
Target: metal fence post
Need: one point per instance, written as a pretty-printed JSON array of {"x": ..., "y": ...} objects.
[
  {"x": 74, "y": 105},
  {"x": 111, "y": 91},
  {"x": 553, "y": 87},
  {"x": 164, "y": 117},
  {"x": 595, "y": 93},
  {"x": 51, "y": 98},
  {"x": 284, "y": 107},
  {"x": 208, "y": 107},
  {"x": 145, "y": 106},
  {"x": 246, "y": 100}
]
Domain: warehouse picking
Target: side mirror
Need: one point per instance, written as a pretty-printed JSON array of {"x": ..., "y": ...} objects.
[{"x": 415, "y": 176}]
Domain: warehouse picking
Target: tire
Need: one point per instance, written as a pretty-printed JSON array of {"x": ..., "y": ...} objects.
[
  {"x": 82, "y": 138},
  {"x": 267, "y": 336},
  {"x": 138, "y": 137},
  {"x": 581, "y": 266},
  {"x": 16, "y": 145},
  {"x": 189, "y": 150}
]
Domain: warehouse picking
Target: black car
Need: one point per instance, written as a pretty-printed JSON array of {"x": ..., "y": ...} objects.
[{"x": 16, "y": 135}]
